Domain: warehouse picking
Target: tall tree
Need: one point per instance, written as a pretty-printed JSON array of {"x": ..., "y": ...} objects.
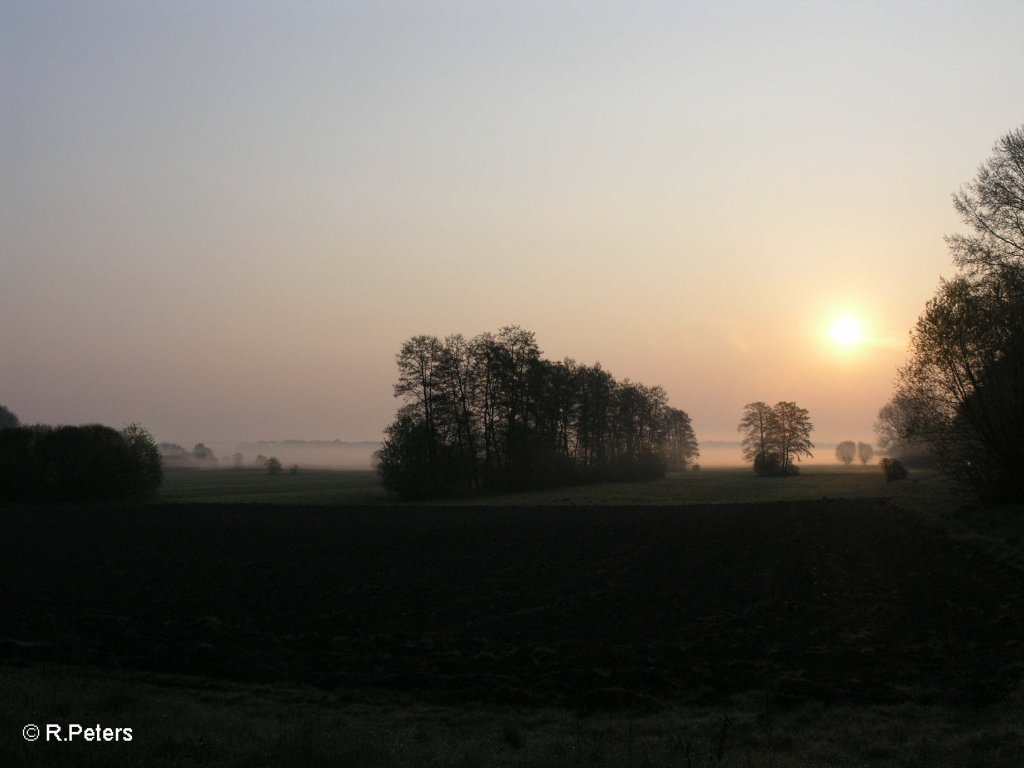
[
  {"x": 792, "y": 433},
  {"x": 680, "y": 441},
  {"x": 418, "y": 361},
  {"x": 992, "y": 206},
  {"x": 963, "y": 384},
  {"x": 758, "y": 427}
]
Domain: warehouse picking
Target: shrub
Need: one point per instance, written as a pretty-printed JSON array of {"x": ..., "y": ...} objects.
[
  {"x": 146, "y": 471},
  {"x": 770, "y": 465},
  {"x": 893, "y": 469},
  {"x": 273, "y": 466}
]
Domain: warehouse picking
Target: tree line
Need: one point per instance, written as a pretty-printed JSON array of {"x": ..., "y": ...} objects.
[
  {"x": 86, "y": 463},
  {"x": 491, "y": 414}
]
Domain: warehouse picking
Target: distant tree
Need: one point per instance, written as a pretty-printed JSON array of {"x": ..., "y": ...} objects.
[
  {"x": 273, "y": 466},
  {"x": 238, "y": 459},
  {"x": 201, "y": 453},
  {"x": 900, "y": 436},
  {"x": 7, "y": 418},
  {"x": 171, "y": 451},
  {"x": 261, "y": 461},
  {"x": 864, "y": 452},
  {"x": 775, "y": 437},
  {"x": 846, "y": 451},
  {"x": 293, "y": 469}
]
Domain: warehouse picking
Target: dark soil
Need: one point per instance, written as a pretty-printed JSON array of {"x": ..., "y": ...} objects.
[{"x": 590, "y": 607}]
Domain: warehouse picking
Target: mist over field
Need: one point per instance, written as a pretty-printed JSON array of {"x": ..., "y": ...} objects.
[{"x": 314, "y": 453}]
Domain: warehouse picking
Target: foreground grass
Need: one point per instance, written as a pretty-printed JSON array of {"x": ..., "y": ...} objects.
[
  {"x": 708, "y": 486},
  {"x": 735, "y": 485},
  {"x": 182, "y": 721},
  {"x": 253, "y": 486}
]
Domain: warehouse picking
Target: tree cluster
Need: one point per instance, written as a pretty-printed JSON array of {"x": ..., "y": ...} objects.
[
  {"x": 88, "y": 463},
  {"x": 775, "y": 437},
  {"x": 962, "y": 391},
  {"x": 490, "y": 414},
  {"x": 848, "y": 450},
  {"x": 174, "y": 455}
]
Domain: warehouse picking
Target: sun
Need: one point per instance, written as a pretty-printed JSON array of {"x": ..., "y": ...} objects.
[{"x": 846, "y": 331}]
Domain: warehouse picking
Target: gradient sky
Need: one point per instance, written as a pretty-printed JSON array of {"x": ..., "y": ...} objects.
[{"x": 222, "y": 219}]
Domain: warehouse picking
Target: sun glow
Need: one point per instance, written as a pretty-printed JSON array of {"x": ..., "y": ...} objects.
[{"x": 846, "y": 331}]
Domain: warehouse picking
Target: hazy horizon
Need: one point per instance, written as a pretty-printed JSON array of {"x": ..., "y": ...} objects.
[{"x": 222, "y": 221}]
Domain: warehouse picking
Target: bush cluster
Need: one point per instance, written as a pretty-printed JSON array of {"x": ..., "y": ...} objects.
[
  {"x": 771, "y": 465},
  {"x": 893, "y": 469},
  {"x": 87, "y": 463}
]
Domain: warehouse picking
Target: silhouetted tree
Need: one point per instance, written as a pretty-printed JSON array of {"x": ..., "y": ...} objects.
[
  {"x": 793, "y": 434},
  {"x": 680, "y": 441},
  {"x": 274, "y": 466},
  {"x": 775, "y": 437},
  {"x": 407, "y": 458},
  {"x": 7, "y": 418},
  {"x": 992, "y": 206},
  {"x": 492, "y": 414},
  {"x": 757, "y": 425},
  {"x": 846, "y": 451},
  {"x": 146, "y": 471},
  {"x": 963, "y": 388},
  {"x": 965, "y": 382},
  {"x": 900, "y": 436},
  {"x": 864, "y": 452},
  {"x": 88, "y": 463}
]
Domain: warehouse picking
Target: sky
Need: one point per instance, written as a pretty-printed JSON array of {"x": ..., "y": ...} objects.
[{"x": 221, "y": 220}]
